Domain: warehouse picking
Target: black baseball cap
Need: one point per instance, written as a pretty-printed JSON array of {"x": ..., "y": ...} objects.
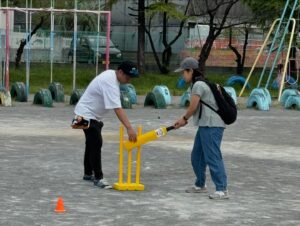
[{"x": 129, "y": 68}]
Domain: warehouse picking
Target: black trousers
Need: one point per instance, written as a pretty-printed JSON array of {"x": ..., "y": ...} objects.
[{"x": 93, "y": 145}]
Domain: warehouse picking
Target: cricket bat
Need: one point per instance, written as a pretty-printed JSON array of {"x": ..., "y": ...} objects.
[{"x": 147, "y": 137}]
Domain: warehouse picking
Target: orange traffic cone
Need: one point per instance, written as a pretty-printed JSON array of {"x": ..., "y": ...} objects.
[{"x": 60, "y": 206}]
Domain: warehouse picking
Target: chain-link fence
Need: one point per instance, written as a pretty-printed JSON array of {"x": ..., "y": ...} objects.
[
  {"x": 123, "y": 45},
  {"x": 40, "y": 43}
]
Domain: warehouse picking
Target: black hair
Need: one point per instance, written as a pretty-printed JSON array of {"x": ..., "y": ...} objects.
[{"x": 197, "y": 75}]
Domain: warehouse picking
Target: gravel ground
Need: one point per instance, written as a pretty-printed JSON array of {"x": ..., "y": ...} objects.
[{"x": 41, "y": 159}]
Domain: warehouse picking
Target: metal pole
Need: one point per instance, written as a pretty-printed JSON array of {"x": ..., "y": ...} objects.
[
  {"x": 51, "y": 42},
  {"x": 26, "y": 49},
  {"x": 273, "y": 43},
  {"x": 28, "y": 38},
  {"x": 54, "y": 10},
  {"x": 74, "y": 46},
  {"x": 97, "y": 41},
  {"x": 2, "y": 82},
  {"x": 1, "y": 69},
  {"x": 287, "y": 59},
  {"x": 107, "y": 40},
  {"x": 258, "y": 56},
  {"x": 286, "y": 30},
  {"x": 7, "y": 50}
]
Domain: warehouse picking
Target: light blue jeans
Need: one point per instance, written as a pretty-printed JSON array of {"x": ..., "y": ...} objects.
[{"x": 207, "y": 152}]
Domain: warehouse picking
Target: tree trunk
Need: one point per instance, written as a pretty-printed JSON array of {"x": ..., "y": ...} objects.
[
  {"x": 238, "y": 60},
  {"x": 160, "y": 66},
  {"x": 293, "y": 64},
  {"x": 206, "y": 50},
  {"x": 239, "y": 68},
  {"x": 24, "y": 42},
  {"x": 166, "y": 56},
  {"x": 214, "y": 29},
  {"x": 167, "y": 51},
  {"x": 245, "y": 48},
  {"x": 141, "y": 36}
]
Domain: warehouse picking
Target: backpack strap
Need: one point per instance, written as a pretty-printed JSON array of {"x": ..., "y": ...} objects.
[
  {"x": 201, "y": 101},
  {"x": 207, "y": 105}
]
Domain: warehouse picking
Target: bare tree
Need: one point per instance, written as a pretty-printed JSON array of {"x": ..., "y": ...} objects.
[
  {"x": 217, "y": 14},
  {"x": 168, "y": 10},
  {"x": 145, "y": 15},
  {"x": 240, "y": 58},
  {"x": 24, "y": 42},
  {"x": 140, "y": 16}
]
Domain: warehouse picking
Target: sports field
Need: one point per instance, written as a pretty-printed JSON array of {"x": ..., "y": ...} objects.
[{"x": 41, "y": 159}]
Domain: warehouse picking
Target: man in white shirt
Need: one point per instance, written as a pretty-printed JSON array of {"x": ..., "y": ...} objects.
[{"x": 102, "y": 95}]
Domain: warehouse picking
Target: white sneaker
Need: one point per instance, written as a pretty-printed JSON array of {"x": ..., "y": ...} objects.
[
  {"x": 219, "y": 195},
  {"x": 102, "y": 184},
  {"x": 196, "y": 189}
]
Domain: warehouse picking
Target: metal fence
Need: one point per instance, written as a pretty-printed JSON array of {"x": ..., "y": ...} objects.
[
  {"x": 126, "y": 42},
  {"x": 125, "y": 39}
]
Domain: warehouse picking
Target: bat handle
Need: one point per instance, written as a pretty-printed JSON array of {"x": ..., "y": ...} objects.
[{"x": 170, "y": 128}]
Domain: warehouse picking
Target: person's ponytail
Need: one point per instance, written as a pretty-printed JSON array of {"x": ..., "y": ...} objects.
[{"x": 197, "y": 76}]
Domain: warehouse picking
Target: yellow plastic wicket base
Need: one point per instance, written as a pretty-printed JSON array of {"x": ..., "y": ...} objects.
[{"x": 129, "y": 187}]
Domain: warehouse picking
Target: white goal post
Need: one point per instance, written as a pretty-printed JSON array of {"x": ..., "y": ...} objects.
[{"x": 52, "y": 12}]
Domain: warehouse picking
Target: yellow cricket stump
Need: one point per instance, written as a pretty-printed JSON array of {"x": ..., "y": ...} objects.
[{"x": 129, "y": 186}]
